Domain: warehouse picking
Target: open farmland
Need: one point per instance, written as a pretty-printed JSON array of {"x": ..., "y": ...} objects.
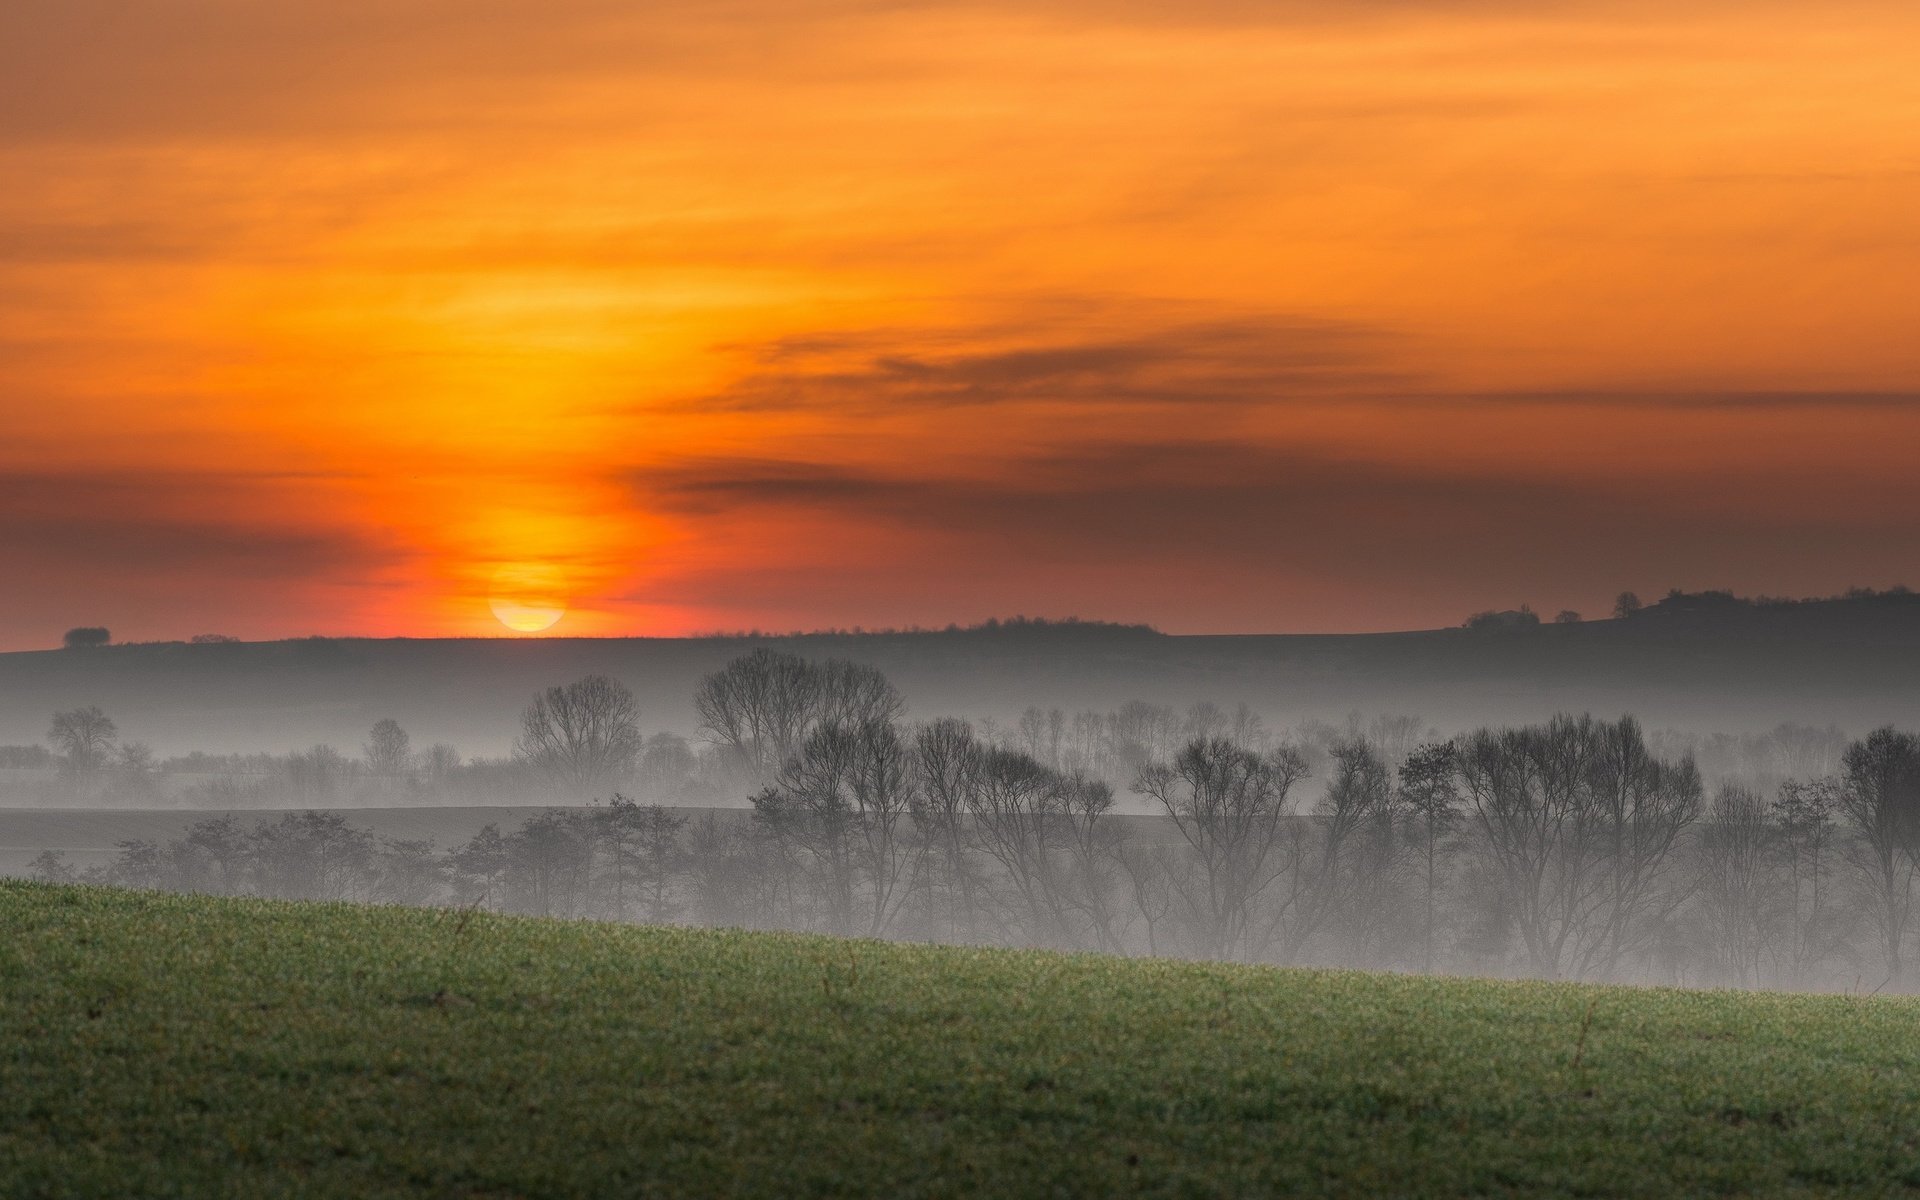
[{"x": 189, "y": 1045}]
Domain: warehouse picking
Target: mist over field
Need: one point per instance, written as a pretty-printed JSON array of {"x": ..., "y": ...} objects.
[
  {"x": 1692, "y": 665},
  {"x": 1704, "y": 790},
  {"x": 514, "y": 520}
]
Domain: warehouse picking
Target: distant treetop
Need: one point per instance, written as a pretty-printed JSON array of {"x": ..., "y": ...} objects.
[
  {"x": 85, "y": 636},
  {"x": 1714, "y": 600},
  {"x": 1492, "y": 621}
]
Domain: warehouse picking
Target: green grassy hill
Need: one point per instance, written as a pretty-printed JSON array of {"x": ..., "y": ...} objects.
[{"x": 165, "y": 1045}]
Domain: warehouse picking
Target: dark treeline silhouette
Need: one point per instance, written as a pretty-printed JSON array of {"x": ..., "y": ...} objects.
[
  {"x": 1710, "y": 605},
  {"x": 1576, "y": 848}
]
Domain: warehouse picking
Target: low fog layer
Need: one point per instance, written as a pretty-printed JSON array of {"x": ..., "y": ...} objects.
[
  {"x": 1693, "y": 664},
  {"x": 1562, "y": 847}
]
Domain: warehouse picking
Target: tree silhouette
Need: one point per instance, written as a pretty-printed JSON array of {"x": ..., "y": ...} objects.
[
  {"x": 84, "y": 736},
  {"x": 585, "y": 735},
  {"x": 387, "y": 748}
]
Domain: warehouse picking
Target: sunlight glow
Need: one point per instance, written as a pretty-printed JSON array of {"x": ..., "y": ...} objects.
[{"x": 529, "y": 597}]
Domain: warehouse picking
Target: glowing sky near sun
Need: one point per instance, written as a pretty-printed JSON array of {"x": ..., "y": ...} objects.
[{"x": 328, "y": 317}]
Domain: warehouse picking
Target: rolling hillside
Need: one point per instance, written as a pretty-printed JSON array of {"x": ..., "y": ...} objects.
[{"x": 193, "y": 1046}]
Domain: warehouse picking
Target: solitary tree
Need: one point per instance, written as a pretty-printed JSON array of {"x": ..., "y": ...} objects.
[
  {"x": 584, "y": 735},
  {"x": 84, "y": 737},
  {"x": 1626, "y": 605},
  {"x": 86, "y": 636},
  {"x": 388, "y": 748}
]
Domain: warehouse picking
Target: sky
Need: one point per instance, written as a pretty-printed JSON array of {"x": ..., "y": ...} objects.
[{"x": 436, "y": 317}]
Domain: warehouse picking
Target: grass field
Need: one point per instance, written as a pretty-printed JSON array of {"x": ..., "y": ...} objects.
[{"x": 159, "y": 1045}]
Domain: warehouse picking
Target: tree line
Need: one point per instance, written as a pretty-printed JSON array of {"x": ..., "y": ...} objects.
[{"x": 1576, "y": 848}]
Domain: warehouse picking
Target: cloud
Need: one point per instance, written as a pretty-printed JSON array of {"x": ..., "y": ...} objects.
[
  {"x": 1666, "y": 399},
  {"x": 1221, "y": 362},
  {"x": 1207, "y": 529},
  {"x": 1238, "y": 361},
  {"x": 195, "y": 526}
]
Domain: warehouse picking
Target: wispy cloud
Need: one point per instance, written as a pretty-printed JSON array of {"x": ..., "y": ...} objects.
[
  {"x": 1255, "y": 360},
  {"x": 206, "y": 525}
]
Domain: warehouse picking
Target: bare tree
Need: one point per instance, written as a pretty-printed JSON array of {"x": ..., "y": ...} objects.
[
  {"x": 1880, "y": 798},
  {"x": 1249, "y": 728},
  {"x": 761, "y": 706},
  {"x": 1150, "y": 869},
  {"x": 853, "y": 694},
  {"x": 757, "y": 709},
  {"x": 1803, "y": 812},
  {"x": 1229, "y": 804},
  {"x": 135, "y": 775},
  {"x": 1431, "y": 802},
  {"x": 1093, "y": 858},
  {"x": 311, "y": 855},
  {"x": 1041, "y": 734},
  {"x": 948, "y": 761},
  {"x": 549, "y": 863},
  {"x": 1736, "y": 843},
  {"x": 1139, "y": 734},
  {"x": 1024, "y": 819},
  {"x": 1363, "y": 853},
  {"x": 84, "y": 738},
  {"x": 639, "y": 844},
  {"x": 1579, "y": 823},
  {"x": 407, "y": 871},
  {"x": 1205, "y": 719},
  {"x": 1643, "y": 804},
  {"x": 388, "y": 749},
  {"x": 845, "y": 798},
  {"x": 223, "y": 844},
  {"x": 441, "y": 762},
  {"x": 479, "y": 866},
  {"x": 584, "y": 735}
]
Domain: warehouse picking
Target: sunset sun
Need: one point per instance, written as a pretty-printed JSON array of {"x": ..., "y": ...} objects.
[{"x": 528, "y": 597}]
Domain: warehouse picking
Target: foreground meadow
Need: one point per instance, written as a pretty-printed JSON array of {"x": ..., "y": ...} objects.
[{"x": 154, "y": 1045}]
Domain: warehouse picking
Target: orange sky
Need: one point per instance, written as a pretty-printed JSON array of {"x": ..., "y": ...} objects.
[{"x": 328, "y": 317}]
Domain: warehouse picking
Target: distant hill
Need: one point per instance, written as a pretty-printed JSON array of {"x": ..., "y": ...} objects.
[{"x": 1702, "y": 661}]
